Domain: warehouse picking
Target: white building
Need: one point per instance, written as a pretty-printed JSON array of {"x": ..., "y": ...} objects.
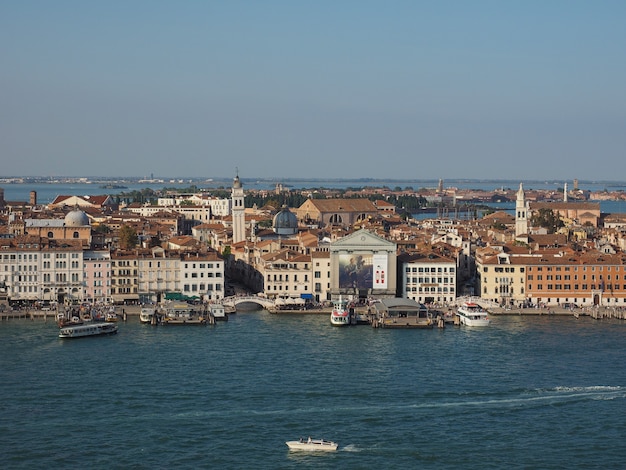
[
  {"x": 219, "y": 207},
  {"x": 164, "y": 274},
  {"x": 320, "y": 262},
  {"x": 202, "y": 276},
  {"x": 428, "y": 277},
  {"x": 33, "y": 268}
]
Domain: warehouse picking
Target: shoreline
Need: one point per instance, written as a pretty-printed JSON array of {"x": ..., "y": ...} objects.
[{"x": 134, "y": 311}]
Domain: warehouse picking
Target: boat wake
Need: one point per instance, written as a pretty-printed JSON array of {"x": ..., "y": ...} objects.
[
  {"x": 551, "y": 396},
  {"x": 351, "y": 448},
  {"x": 523, "y": 398}
]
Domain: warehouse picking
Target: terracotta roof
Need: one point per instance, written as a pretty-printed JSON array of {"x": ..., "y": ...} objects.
[{"x": 343, "y": 205}]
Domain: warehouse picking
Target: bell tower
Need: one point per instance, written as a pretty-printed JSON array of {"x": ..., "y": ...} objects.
[
  {"x": 521, "y": 213},
  {"x": 238, "y": 211}
]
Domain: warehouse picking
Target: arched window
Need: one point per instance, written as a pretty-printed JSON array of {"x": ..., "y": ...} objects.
[
  {"x": 75, "y": 235},
  {"x": 50, "y": 235},
  {"x": 336, "y": 219}
]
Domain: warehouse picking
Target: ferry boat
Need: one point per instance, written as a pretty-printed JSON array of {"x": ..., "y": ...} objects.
[
  {"x": 313, "y": 445},
  {"x": 89, "y": 329},
  {"x": 472, "y": 314},
  {"x": 340, "y": 316}
]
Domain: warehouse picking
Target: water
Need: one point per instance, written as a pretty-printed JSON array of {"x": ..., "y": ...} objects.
[
  {"x": 544, "y": 392},
  {"x": 47, "y": 192}
]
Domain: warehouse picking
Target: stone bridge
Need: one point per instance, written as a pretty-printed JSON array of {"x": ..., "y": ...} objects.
[{"x": 240, "y": 299}]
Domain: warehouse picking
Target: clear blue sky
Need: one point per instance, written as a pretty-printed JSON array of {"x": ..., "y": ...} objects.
[{"x": 518, "y": 89}]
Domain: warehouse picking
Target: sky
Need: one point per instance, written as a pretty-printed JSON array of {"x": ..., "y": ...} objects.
[{"x": 501, "y": 89}]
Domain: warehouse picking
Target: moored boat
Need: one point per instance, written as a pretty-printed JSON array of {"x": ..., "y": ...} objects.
[
  {"x": 218, "y": 312},
  {"x": 340, "y": 315},
  {"x": 146, "y": 314},
  {"x": 472, "y": 314},
  {"x": 312, "y": 445},
  {"x": 88, "y": 329}
]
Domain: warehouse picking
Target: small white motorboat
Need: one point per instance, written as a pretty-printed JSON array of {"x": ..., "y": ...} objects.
[{"x": 312, "y": 445}]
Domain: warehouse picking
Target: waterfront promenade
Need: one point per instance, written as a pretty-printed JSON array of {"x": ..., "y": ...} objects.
[{"x": 131, "y": 311}]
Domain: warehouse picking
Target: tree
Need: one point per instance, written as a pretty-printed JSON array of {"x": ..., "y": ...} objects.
[
  {"x": 226, "y": 252},
  {"x": 547, "y": 219},
  {"x": 128, "y": 237},
  {"x": 102, "y": 228}
]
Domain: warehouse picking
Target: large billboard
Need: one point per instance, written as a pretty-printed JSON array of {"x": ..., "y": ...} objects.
[
  {"x": 379, "y": 265},
  {"x": 362, "y": 271}
]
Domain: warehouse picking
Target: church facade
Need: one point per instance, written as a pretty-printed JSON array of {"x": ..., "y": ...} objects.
[{"x": 363, "y": 265}]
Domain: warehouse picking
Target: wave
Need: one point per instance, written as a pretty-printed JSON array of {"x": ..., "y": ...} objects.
[{"x": 522, "y": 398}]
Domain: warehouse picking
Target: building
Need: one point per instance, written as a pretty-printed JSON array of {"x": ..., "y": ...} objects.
[
  {"x": 586, "y": 279},
  {"x": 320, "y": 262},
  {"x": 97, "y": 276},
  {"x": 124, "y": 277},
  {"x": 238, "y": 211},
  {"x": 202, "y": 276},
  {"x": 341, "y": 212},
  {"x": 363, "y": 265},
  {"x": 286, "y": 274},
  {"x": 158, "y": 273},
  {"x": 501, "y": 278},
  {"x": 87, "y": 202},
  {"x": 218, "y": 207},
  {"x": 34, "y": 268},
  {"x": 427, "y": 277},
  {"x": 521, "y": 213},
  {"x": 577, "y": 213},
  {"x": 74, "y": 226}
]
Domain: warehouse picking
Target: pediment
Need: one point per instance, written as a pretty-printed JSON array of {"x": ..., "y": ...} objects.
[{"x": 363, "y": 239}]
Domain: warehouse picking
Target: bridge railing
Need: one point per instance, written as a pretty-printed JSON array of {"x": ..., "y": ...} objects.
[{"x": 237, "y": 299}]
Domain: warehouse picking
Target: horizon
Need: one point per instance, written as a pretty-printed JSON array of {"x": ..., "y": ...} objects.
[{"x": 186, "y": 179}]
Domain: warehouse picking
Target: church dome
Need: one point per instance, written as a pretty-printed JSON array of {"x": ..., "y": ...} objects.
[
  {"x": 76, "y": 218},
  {"x": 285, "y": 222}
]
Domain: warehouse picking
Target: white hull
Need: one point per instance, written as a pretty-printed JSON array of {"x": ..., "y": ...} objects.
[
  {"x": 471, "y": 314},
  {"x": 338, "y": 319},
  {"x": 340, "y": 315},
  {"x": 146, "y": 314},
  {"x": 473, "y": 322},
  {"x": 312, "y": 445}
]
